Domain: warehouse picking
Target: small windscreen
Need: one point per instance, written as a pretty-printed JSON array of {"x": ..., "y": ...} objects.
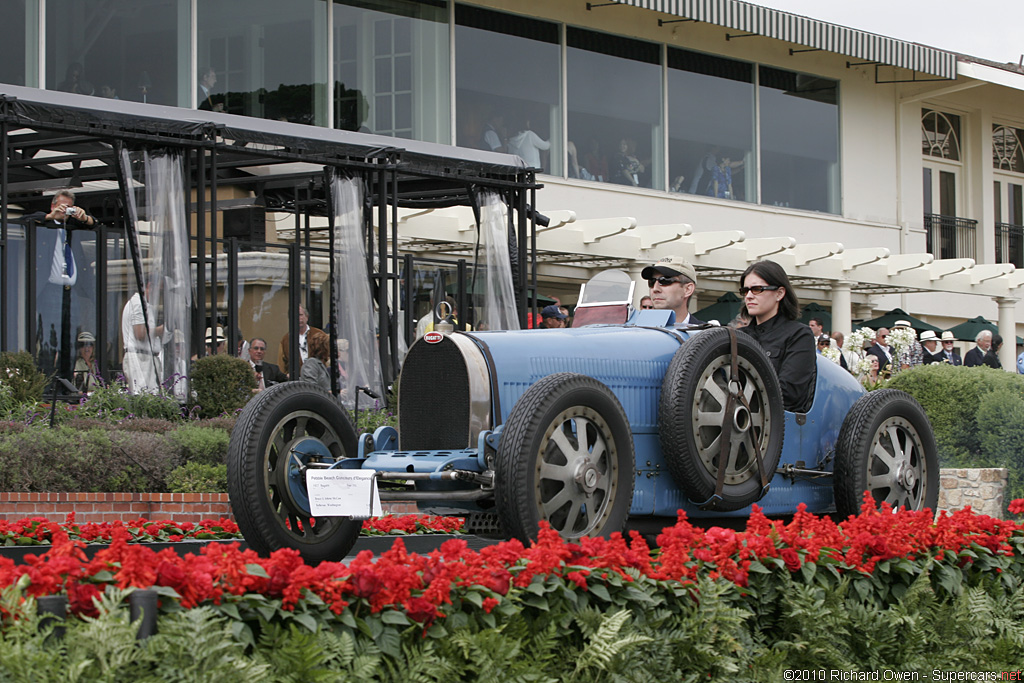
[{"x": 609, "y": 287}]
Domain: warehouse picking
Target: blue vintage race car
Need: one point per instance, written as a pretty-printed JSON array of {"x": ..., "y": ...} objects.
[{"x": 625, "y": 419}]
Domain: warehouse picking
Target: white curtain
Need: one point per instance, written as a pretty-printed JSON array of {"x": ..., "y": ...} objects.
[{"x": 497, "y": 301}]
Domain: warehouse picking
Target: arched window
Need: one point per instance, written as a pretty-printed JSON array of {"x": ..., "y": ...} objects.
[
  {"x": 940, "y": 135},
  {"x": 1007, "y": 151}
]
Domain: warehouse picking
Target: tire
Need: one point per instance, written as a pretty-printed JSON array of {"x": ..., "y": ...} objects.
[
  {"x": 544, "y": 472},
  {"x": 886, "y": 446},
  {"x": 691, "y": 415},
  {"x": 267, "y": 491}
]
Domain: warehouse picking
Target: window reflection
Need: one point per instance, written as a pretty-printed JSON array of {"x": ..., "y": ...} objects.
[
  {"x": 269, "y": 58},
  {"x": 799, "y": 140},
  {"x": 614, "y": 108},
  {"x": 711, "y": 126},
  {"x": 1007, "y": 151},
  {"x": 940, "y": 135},
  {"x": 516, "y": 110},
  {"x": 391, "y": 68},
  {"x": 19, "y": 35},
  {"x": 125, "y": 49}
]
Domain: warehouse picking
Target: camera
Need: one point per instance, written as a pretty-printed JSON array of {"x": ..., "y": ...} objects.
[{"x": 71, "y": 211}]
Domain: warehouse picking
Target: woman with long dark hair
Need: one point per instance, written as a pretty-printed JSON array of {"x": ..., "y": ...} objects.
[{"x": 769, "y": 300}]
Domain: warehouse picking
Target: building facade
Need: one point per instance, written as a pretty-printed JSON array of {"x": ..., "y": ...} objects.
[{"x": 883, "y": 174}]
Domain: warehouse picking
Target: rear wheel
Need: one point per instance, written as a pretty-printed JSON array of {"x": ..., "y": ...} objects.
[
  {"x": 566, "y": 457},
  {"x": 886, "y": 447},
  {"x": 279, "y": 433}
]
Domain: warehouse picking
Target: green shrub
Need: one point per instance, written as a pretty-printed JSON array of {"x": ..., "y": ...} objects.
[
  {"x": 221, "y": 384},
  {"x": 197, "y": 477},
  {"x": 18, "y": 370},
  {"x": 977, "y": 415},
  {"x": 201, "y": 444},
  {"x": 114, "y": 402}
]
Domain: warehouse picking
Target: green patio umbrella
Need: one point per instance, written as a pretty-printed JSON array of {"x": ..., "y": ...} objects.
[
  {"x": 890, "y": 318},
  {"x": 725, "y": 308},
  {"x": 816, "y": 310},
  {"x": 969, "y": 329}
]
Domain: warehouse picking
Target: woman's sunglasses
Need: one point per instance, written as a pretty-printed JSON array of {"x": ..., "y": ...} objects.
[{"x": 758, "y": 289}]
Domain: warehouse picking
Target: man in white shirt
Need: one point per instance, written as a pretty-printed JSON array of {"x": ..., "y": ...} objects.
[
  {"x": 304, "y": 329},
  {"x": 143, "y": 348}
]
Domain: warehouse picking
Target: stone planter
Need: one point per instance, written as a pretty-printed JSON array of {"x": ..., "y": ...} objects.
[{"x": 984, "y": 489}]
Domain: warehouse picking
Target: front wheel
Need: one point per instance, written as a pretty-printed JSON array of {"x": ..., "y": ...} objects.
[
  {"x": 886, "y": 447},
  {"x": 278, "y": 434},
  {"x": 566, "y": 457}
]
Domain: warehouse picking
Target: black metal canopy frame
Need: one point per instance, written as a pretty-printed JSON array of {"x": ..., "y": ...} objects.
[{"x": 54, "y": 140}]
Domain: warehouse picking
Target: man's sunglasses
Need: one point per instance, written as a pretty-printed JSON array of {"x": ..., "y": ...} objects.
[
  {"x": 758, "y": 289},
  {"x": 647, "y": 307},
  {"x": 663, "y": 281}
]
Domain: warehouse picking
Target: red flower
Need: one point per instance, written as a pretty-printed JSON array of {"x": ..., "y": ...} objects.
[
  {"x": 421, "y": 610},
  {"x": 791, "y": 558},
  {"x": 80, "y": 599},
  {"x": 1016, "y": 506},
  {"x": 490, "y": 603}
]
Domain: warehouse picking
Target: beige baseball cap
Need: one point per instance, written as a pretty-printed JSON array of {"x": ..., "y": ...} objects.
[{"x": 669, "y": 265}]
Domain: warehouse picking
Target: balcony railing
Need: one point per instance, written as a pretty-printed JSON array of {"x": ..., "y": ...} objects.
[
  {"x": 1010, "y": 244},
  {"x": 951, "y": 237}
]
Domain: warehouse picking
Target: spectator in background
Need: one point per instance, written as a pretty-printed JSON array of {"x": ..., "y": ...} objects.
[
  {"x": 109, "y": 92},
  {"x": 143, "y": 348},
  {"x": 495, "y": 136},
  {"x": 216, "y": 343},
  {"x": 304, "y": 330},
  {"x": 646, "y": 302},
  {"x": 86, "y": 371},
  {"x": 847, "y": 359},
  {"x": 817, "y": 328},
  {"x": 949, "y": 353},
  {"x": 882, "y": 351},
  {"x": 315, "y": 367},
  {"x": 552, "y": 318},
  {"x": 528, "y": 145},
  {"x": 913, "y": 355},
  {"x": 930, "y": 343},
  {"x": 267, "y": 374},
  {"x": 976, "y": 356},
  {"x": 991, "y": 358},
  {"x": 595, "y": 162},
  {"x": 204, "y": 98},
  {"x": 74, "y": 81}
]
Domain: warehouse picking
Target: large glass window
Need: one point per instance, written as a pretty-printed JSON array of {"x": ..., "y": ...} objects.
[
  {"x": 268, "y": 58},
  {"x": 711, "y": 126},
  {"x": 614, "y": 107},
  {"x": 120, "y": 49},
  {"x": 391, "y": 63},
  {"x": 19, "y": 41},
  {"x": 940, "y": 135},
  {"x": 799, "y": 140},
  {"x": 515, "y": 107},
  {"x": 1007, "y": 151}
]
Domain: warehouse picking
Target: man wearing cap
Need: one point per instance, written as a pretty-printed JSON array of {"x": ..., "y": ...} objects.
[
  {"x": 930, "y": 342},
  {"x": 672, "y": 281},
  {"x": 949, "y": 354},
  {"x": 552, "y": 318},
  {"x": 976, "y": 356},
  {"x": 86, "y": 372}
]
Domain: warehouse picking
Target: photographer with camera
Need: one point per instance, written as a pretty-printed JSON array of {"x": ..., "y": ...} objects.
[{"x": 63, "y": 210}]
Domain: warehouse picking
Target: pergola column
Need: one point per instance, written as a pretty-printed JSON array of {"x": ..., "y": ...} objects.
[
  {"x": 842, "y": 307},
  {"x": 1008, "y": 331}
]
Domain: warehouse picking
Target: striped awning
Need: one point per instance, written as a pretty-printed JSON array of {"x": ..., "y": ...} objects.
[{"x": 772, "y": 23}]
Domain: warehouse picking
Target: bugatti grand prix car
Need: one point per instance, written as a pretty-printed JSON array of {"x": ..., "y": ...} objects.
[{"x": 622, "y": 417}]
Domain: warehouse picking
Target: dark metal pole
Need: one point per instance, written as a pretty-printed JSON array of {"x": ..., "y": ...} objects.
[
  {"x": 410, "y": 333},
  {"x": 395, "y": 301},
  {"x": 214, "y": 235},
  {"x": 201, "y": 305},
  {"x": 332, "y": 314},
  {"x": 4, "y": 266},
  {"x": 382, "y": 290}
]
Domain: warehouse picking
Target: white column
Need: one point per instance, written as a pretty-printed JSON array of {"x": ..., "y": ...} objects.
[
  {"x": 842, "y": 308},
  {"x": 1008, "y": 331}
]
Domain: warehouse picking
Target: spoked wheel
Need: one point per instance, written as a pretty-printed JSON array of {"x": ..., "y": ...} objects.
[
  {"x": 566, "y": 457},
  {"x": 692, "y": 416},
  {"x": 279, "y": 433},
  {"x": 886, "y": 447}
]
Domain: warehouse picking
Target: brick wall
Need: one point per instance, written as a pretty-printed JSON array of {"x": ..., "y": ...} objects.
[{"x": 110, "y": 507}]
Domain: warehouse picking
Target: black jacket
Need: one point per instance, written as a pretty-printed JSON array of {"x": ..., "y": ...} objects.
[
  {"x": 272, "y": 374},
  {"x": 974, "y": 357},
  {"x": 876, "y": 351},
  {"x": 789, "y": 345},
  {"x": 992, "y": 360}
]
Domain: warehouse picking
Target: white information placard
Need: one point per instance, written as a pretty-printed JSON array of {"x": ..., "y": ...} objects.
[{"x": 343, "y": 493}]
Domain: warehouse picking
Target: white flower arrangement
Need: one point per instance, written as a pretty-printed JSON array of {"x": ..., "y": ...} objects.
[
  {"x": 863, "y": 366},
  {"x": 855, "y": 342},
  {"x": 902, "y": 338},
  {"x": 832, "y": 353}
]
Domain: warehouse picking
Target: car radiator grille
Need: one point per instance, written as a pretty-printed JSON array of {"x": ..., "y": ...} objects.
[{"x": 433, "y": 398}]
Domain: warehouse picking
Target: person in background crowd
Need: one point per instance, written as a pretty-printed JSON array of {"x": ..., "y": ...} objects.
[
  {"x": 646, "y": 302},
  {"x": 304, "y": 330},
  {"x": 568, "y": 315},
  {"x": 949, "y": 353},
  {"x": 143, "y": 348},
  {"x": 219, "y": 341},
  {"x": 824, "y": 342},
  {"x": 204, "y": 99},
  {"x": 771, "y": 303},
  {"x": 914, "y": 354},
  {"x": 976, "y": 356},
  {"x": 817, "y": 328},
  {"x": 673, "y": 281},
  {"x": 315, "y": 367},
  {"x": 930, "y": 342},
  {"x": 552, "y": 318},
  {"x": 267, "y": 374},
  {"x": 870, "y": 378},
  {"x": 847, "y": 359},
  {"x": 882, "y": 350},
  {"x": 86, "y": 371},
  {"x": 991, "y": 358}
]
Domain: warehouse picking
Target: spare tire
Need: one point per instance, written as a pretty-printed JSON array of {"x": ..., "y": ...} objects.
[
  {"x": 886, "y": 447},
  {"x": 691, "y": 417}
]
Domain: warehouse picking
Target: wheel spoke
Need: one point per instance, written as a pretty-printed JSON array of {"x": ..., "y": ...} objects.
[
  {"x": 555, "y": 472},
  {"x": 562, "y": 442},
  {"x": 556, "y": 502},
  {"x": 882, "y": 481},
  {"x": 894, "y": 439},
  {"x": 706, "y": 418},
  {"x": 887, "y": 459},
  {"x": 716, "y": 392}
]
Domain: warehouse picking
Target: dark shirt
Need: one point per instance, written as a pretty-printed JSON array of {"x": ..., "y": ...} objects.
[
  {"x": 992, "y": 360},
  {"x": 789, "y": 345},
  {"x": 884, "y": 361},
  {"x": 936, "y": 357},
  {"x": 953, "y": 358}
]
